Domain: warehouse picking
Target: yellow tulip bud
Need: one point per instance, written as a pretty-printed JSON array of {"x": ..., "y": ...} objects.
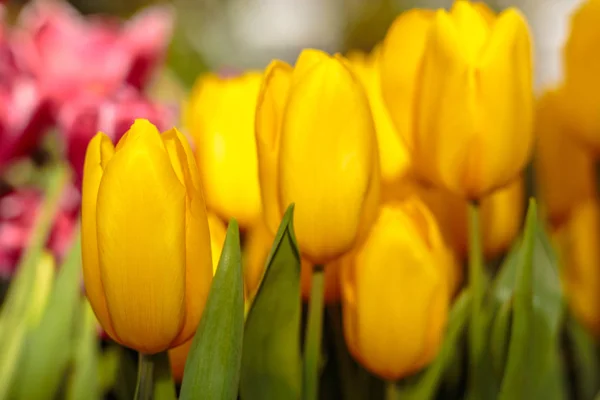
[
  {"x": 473, "y": 97},
  {"x": 317, "y": 148},
  {"x": 145, "y": 240},
  {"x": 581, "y": 80},
  {"x": 393, "y": 154},
  {"x": 578, "y": 241},
  {"x": 220, "y": 117},
  {"x": 564, "y": 168},
  {"x": 395, "y": 293}
]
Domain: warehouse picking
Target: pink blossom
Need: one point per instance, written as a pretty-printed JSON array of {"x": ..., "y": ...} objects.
[
  {"x": 83, "y": 117},
  {"x": 18, "y": 212},
  {"x": 68, "y": 53}
]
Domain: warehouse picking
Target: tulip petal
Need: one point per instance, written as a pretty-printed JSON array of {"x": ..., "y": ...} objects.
[
  {"x": 307, "y": 60},
  {"x": 328, "y": 146},
  {"x": 198, "y": 262},
  {"x": 472, "y": 27},
  {"x": 269, "y": 113},
  {"x": 400, "y": 62},
  {"x": 99, "y": 152},
  {"x": 505, "y": 96},
  {"x": 141, "y": 216}
]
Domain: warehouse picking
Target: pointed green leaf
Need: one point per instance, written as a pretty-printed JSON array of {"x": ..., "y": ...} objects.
[
  {"x": 271, "y": 358},
  {"x": 537, "y": 312},
  {"x": 583, "y": 348},
  {"x": 84, "y": 382},
  {"x": 426, "y": 385},
  {"x": 48, "y": 347},
  {"x": 212, "y": 369}
]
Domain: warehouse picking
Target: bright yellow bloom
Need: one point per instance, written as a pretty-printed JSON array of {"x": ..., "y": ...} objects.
[
  {"x": 317, "y": 148},
  {"x": 218, "y": 231},
  {"x": 473, "y": 102},
  {"x": 146, "y": 247},
  {"x": 580, "y": 254},
  {"x": 393, "y": 154},
  {"x": 565, "y": 169},
  {"x": 395, "y": 293},
  {"x": 581, "y": 80},
  {"x": 220, "y": 117}
]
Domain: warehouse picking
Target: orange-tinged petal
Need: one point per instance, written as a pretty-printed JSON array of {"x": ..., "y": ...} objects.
[
  {"x": 565, "y": 168},
  {"x": 221, "y": 119},
  {"x": 99, "y": 152},
  {"x": 269, "y": 113},
  {"x": 259, "y": 240},
  {"x": 326, "y": 162},
  {"x": 399, "y": 67},
  {"x": 141, "y": 214},
  {"x": 390, "y": 336},
  {"x": 218, "y": 231},
  {"x": 177, "y": 359}
]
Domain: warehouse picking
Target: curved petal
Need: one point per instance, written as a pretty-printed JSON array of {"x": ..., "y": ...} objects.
[
  {"x": 100, "y": 150},
  {"x": 141, "y": 214},
  {"x": 269, "y": 113}
]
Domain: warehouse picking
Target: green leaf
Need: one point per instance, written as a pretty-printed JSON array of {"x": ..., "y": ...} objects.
[
  {"x": 271, "y": 361},
  {"x": 48, "y": 347},
  {"x": 84, "y": 382},
  {"x": 583, "y": 348},
  {"x": 537, "y": 311},
  {"x": 19, "y": 313},
  {"x": 212, "y": 369},
  {"x": 426, "y": 385}
]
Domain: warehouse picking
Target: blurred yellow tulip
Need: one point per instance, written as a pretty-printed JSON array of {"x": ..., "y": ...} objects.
[
  {"x": 220, "y": 117},
  {"x": 394, "y": 292},
  {"x": 471, "y": 131},
  {"x": 147, "y": 262},
  {"x": 565, "y": 169},
  {"x": 581, "y": 81},
  {"x": 317, "y": 148},
  {"x": 393, "y": 154},
  {"x": 578, "y": 242}
]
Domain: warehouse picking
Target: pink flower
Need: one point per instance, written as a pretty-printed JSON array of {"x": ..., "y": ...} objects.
[
  {"x": 18, "y": 212},
  {"x": 68, "y": 53},
  {"x": 80, "y": 119}
]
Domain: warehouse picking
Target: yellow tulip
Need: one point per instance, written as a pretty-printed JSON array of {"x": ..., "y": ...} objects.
[
  {"x": 218, "y": 231},
  {"x": 145, "y": 240},
  {"x": 472, "y": 100},
  {"x": 317, "y": 148},
  {"x": 578, "y": 241},
  {"x": 393, "y": 154},
  {"x": 565, "y": 169},
  {"x": 581, "y": 80},
  {"x": 394, "y": 292},
  {"x": 220, "y": 117}
]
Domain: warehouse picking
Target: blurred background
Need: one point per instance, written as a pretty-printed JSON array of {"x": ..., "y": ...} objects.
[{"x": 242, "y": 34}]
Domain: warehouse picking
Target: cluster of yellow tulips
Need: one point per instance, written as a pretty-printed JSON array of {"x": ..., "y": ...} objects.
[{"x": 384, "y": 156}]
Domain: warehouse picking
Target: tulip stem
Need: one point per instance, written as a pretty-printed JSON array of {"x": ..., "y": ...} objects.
[
  {"x": 476, "y": 287},
  {"x": 312, "y": 341},
  {"x": 154, "y": 378},
  {"x": 391, "y": 391}
]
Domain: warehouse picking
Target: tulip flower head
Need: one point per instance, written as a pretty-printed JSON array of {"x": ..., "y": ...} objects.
[
  {"x": 395, "y": 293},
  {"x": 220, "y": 118},
  {"x": 145, "y": 240},
  {"x": 317, "y": 148},
  {"x": 470, "y": 113}
]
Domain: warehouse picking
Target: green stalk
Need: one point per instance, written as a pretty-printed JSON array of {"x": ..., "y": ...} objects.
[
  {"x": 154, "y": 379},
  {"x": 312, "y": 341},
  {"x": 476, "y": 287},
  {"x": 391, "y": 391}
]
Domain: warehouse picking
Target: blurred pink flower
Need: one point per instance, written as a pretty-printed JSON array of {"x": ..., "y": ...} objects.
[
  {"x": 68, "y": 53},
  {"x": 18, "y": 212},
  {"x": 24, "y": 112},
  {"x": 82, "y": 117}
]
